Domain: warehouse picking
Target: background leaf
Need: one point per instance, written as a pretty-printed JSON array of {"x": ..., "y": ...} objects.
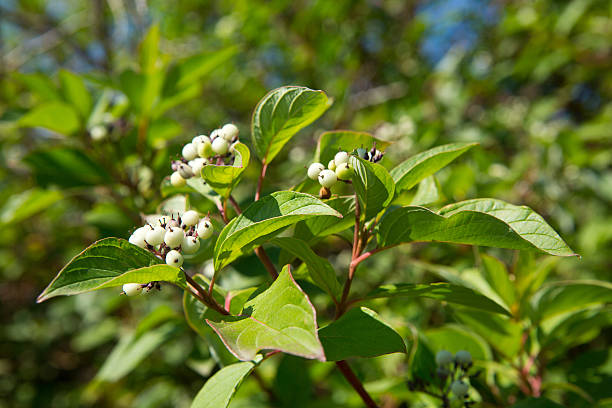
[
  {"x": 280, "y": 318},
  {"x": 263, "y": 218},
  {"x": 441, "y": 291},
  {"x": 110, "y": 262},
  {"x": 360, "y": 332},
  {"x": 75, "y": 92},
  {"x": 281, "y": 114},
  {"x": 570, "y": 296},
  {"x": 56, "y": 116},
  {"x": 331, "y": 142},
  {"x": 453, "y": 338},
  {"x": 22, "y": 206},
  {"x": 410, "y": 172},
  {"x": 485, "y": 222}
]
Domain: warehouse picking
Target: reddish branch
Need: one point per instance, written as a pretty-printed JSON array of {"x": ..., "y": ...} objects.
[{"x": 355, "y": 383}]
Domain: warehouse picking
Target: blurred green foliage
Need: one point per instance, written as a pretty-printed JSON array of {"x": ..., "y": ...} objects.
[{"x": 533, "y": 86}]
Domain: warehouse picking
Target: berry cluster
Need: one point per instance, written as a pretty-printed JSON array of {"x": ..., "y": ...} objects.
[
  {"x": 168, "y": 239},
  {"x": 338, "y": 168},
  {"x": 202, "y": 150}
]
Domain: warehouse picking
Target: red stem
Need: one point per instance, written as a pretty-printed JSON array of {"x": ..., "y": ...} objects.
[
  {"x": 264, "y": 167},
  {"x": 350, "y": 376}
]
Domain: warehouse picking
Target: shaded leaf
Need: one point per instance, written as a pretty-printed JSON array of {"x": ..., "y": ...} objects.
[
  {"x": 281, "y": 114},
  {"x": 359, "y": 333},
  {"x": 221, "y": 387},
  {"x": 453, "y": 338},
  {"x": 223, "y": 179},
  {"x": 320, "y": 270},
  {"x": 373, "y": 185},
  {"x": 280, "y": 318},
  {"x": 496, "y": 274},
  {"x": 536, "y": 403},
  {"x": 263, "y": 218},
  {"x": 27, "y": 203},
  {"x": 410, "y": 172},
  {"x": 441, "y": 291},
  {"x": 485, "y": 222},
  {"x": 324, "y": 225},
  {"x": 56, "y": 116},
  {"x": 502, "y": 333},
  {"x": 570, "y": 296},
  {"x": 107, "y": 263}
]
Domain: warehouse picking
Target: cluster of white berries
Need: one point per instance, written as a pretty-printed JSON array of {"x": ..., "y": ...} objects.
[
  {"x": 338, "y": 168},
  {"x": 456, "y": 367},
  {"x": 169, "y": 239},
  {"x": 202, "y": 150}
]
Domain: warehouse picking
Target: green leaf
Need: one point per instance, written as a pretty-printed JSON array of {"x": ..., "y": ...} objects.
[
  {"x": 410, "y": 172},
  {"x": 321, "y": 271},
  {"x": 485, "y": 222},
  {"x": 319, "y": 227},
  {"x": 373, "y": 185},
  {"x": 27, "y": 203},
  {"x": 188, "y": 71},
  {"x": 223, "y": 179},
  {"x": 453, "y": 338},
  {"x": 75, "y": 92},
  {"x": 56, "y": 116},
  {"x": 536, "y": 403},
  {"x": 221, "y": 387},
  {"x": 502, "y": 333},
  {"x": 570, "y": 296},
  {"x": 40, "y": 84},
  {"x": 141, "y": 89},
  {"x": 149, "y": 50},
  {"x": 153, "y": 331},
  {"x": 359, "y": 333},
  {"x": 331, "y": 142},
  {"x": 427, "y": 193},
  {"x": 263, "y": 218},
  {"x": 65, "y": 167},
  {"x": 441, "y": 291},
  {"x": 496, "y": 274},
  {"x": 107, "y": 263},
  {"x": 199, "y": 185},
  {"x": 281, "y": 114},
  {"x": 280, "y": 318}
]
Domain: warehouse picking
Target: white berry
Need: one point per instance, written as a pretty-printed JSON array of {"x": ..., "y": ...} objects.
[
  {"x": 176, "y": 180},
  {"x": 174, "y": 258},
  {"x": 314, "y": 169},
  {"x": 205, "y": 229},
  {"x": 341, "y": 157},
  {"x": 215, "y": 134},
  {"x": 190, "y": 245},
  {"x": 197, "y": 165},
  {"x": 331, "y": 165},
  {"x": 459, "y": 388},
  {"x": 189, "y": 151},
  {"x": 155, "y": 236},
  {"x": 138, "y": 237},
  {"x": 98, "y": 132},
  {"x": 327, "y": 178},
  {"x": 463, "y": 357},
  {"x": 444, "y": 357},
  {"x": 199, "y": 140},
  {"x": 132, "y": 289},
  {"x": 229, "y": 131},
  {"x": 220, "y": 146},
  {"x": 174, "y": 237},
  {"x": 185, "y": 171},
  {"x": 190, "y": 218}
]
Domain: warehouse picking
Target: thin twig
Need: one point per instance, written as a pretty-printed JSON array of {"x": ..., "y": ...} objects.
[
  {"x": 262, "y": 384},
  {"x": 265, "y": 259},
  {"x": 204, "y": 296},
  {"x": 350, "y": 376},
  {"x": 235, "y": 205},
  {"x": 264, "y": 167}
]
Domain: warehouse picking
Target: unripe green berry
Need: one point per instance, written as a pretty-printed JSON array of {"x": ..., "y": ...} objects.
[
  {"x": 341, "y": 157},
  {"x": 138, "y": 237},
  {"x": 174, "y": 237},
  {"x": 190, "y": 218},
  {"x": 174, "y": 258},
  {"x": 459, "y": 388},
  {"x": 327, "y": 178},
  {"x": 132, "y": 289},
  {"x": 463, "y": 357},
  {"x": 205, "y": 149},
  {"x": 190, "y": 151},
  {"x": 331, "y": 165},
  {"x": 155, "y": 236},
  {"x": 229, "y": 131},
  {"x": 344, "y": 171},
  {"x": 314, "y": 169},
  {"x": 176, "y": 180},
  {"x": 205, "y": 229},
  {"x": 190, "y": 245},
  {"x": 220, "y": 146},
  {"x": 444, "y": 357}
]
